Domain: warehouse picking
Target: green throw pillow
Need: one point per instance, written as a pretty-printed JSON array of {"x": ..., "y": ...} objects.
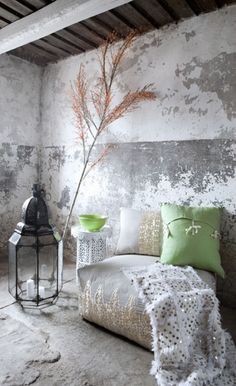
[{"x": 191, "y": 237}]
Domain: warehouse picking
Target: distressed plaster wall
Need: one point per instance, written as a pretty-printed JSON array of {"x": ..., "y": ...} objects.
[
  {"x": 20, "y": 84},
  {"x": 180, "y": 148}
]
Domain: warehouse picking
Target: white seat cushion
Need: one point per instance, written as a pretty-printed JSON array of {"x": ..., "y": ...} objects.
[{"x": 107, "y": 297}]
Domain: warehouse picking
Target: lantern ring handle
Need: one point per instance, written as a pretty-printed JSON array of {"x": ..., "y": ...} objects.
[{"x": 48, "y": 196}]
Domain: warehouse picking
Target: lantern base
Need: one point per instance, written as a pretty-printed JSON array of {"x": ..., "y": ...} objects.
[{"x": 43, "y": 303}]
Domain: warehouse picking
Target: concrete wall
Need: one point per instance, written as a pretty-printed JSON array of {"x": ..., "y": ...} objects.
[
  {"x": 20, "y": 84},
  {"x": 180, "y": 148}
]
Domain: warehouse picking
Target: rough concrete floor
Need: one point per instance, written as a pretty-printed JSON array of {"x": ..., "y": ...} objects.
[{"x": 72, "y": 351}]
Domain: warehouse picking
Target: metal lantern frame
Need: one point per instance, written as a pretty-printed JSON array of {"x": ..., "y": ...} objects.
[{"x": 28, "y": 247}]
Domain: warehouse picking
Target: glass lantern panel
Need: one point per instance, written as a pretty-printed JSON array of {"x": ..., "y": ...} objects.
[
  {"x": 26, "y": 273},
  {"x": 27, "y": 241},
  {"x": 48, "y": 271},
  {"x": 12, "y": 268},
  {"x": 47, "y": 240}
]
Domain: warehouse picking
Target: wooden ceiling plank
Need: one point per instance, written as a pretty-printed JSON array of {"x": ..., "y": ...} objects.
[
  {"x": 169, "y": 10},
  {"x": 194, "y": 6},
  {"x": 34, "y": 54},
  {"x": 50, "y": 48},
  {"x": 181, "y": 8},
  {"x": 17, "y": 6},
  {"x": 206, "y": 5},
  {"x": 52, "y": 18},
  {"x": 118, "y": 23},
  {"x": 62, "y": 45},
  {"x": 5, "y": 20},
  {"x": 28, "y": 4},
  {"x": 122, "y": 19},
  {"x": 132, "y": 17},
  {"x": 87, "y": 33},
  {"x": 98, "y": 25},
  {"x": 75, "y": 40},
  {"x": 83, "y": 33},
  {"x": 146, "y": 12},
  {"x": 42, "y": 51},
  {"x": 3, "y": 23},
  {"x": 220, "y": 3},
  {"x": 36, "y": 3},
  {"x": 8, "y": 15},
  {"x": 29, "y": 57}
]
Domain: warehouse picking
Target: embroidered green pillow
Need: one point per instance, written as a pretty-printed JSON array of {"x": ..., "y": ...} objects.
[{"x": 191, "y": 237}]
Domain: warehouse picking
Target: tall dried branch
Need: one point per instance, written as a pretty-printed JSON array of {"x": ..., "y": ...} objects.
[
  {"x": 99, "y": 159},
  {"x": 129, "y": 103},
  {"x": 93, "y": 105}
]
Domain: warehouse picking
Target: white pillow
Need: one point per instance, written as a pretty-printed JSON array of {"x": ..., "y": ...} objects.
[{"x": 139, "y": 232}]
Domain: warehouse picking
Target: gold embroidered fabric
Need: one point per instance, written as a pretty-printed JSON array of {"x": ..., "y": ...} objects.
[
  {"x": 149, "y": 234},
  {"x": 121, "y": 319}
]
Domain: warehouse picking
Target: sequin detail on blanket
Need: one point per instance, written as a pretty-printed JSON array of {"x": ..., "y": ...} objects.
[{"x": 190, "y": 347}]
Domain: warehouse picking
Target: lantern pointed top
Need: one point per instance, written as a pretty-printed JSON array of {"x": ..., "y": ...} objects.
[{"x": 37, "y": 191}]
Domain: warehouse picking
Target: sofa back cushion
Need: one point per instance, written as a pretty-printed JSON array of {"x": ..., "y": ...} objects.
[{"x": 139, "y": 232}]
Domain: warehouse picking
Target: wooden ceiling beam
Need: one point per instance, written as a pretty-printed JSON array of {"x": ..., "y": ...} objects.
[{"x": 52, "y": 18}]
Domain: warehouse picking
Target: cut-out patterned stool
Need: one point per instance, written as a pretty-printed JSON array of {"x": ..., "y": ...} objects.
[{"x": 91, "y": 246}]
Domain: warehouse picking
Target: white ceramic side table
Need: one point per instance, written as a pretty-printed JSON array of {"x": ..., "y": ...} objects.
[{"x": 91, "y": 246}]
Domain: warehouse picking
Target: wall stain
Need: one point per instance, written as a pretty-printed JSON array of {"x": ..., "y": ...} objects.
[
  {"x": 189, "y": 99},
  {"x": 65, "y": 198},
  {"x": 198, "y": 111},
  {"x": 189, "y": 35},
  {"x": 56, "y": 157},
  {"x": 6, "y": 150},
  {"x": 216, "y": 76},
  {"x": 24, "y": 154}
]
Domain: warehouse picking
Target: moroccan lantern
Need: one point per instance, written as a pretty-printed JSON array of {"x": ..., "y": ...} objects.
[{"x": 35, "y": 255}]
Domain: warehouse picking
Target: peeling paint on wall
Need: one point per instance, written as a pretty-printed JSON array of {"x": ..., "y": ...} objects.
[
  {"x": 217, "y": 75},
  {"x": 19, "y": 137},
  {"x": 192, "y": 68},
  {"x": 18, "y": 171},
  {"x": 65, "y": 198}
]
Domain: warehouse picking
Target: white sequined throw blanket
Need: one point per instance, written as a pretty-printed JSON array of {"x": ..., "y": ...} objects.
[{"x": 190, "y": 347}]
